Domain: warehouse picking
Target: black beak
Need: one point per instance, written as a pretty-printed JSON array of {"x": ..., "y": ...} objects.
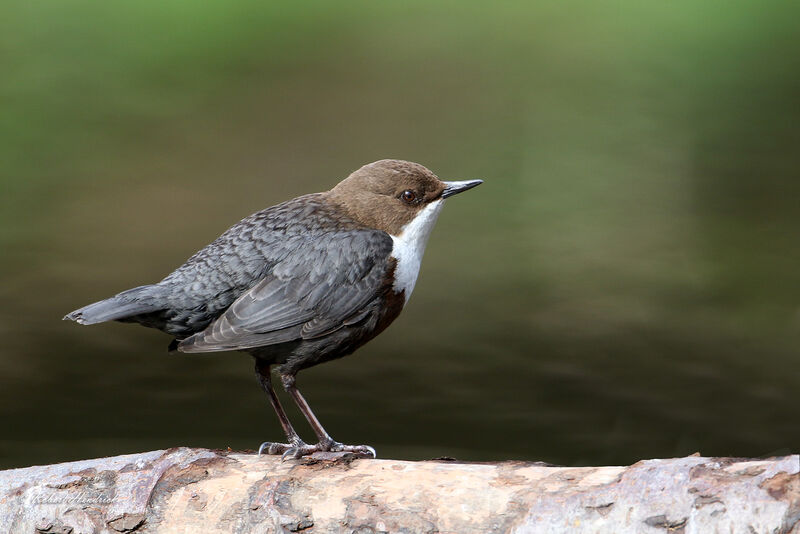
[{"x": 452, "y": 188}]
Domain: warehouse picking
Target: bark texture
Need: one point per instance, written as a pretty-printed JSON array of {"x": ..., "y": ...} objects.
[{"x": 202, "y": 491}]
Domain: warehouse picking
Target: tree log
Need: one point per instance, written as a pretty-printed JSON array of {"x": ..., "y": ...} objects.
[{"x": 203, "y": 491}]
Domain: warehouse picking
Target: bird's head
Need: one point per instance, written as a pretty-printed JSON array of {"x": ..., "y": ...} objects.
[{"x": 390, "y": 194}]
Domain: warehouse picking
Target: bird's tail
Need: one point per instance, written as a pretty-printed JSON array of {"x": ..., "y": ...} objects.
[{"x": 131, "y": 302}]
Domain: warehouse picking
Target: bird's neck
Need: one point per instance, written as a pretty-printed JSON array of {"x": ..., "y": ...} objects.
[{"x": 409, "y": 247}]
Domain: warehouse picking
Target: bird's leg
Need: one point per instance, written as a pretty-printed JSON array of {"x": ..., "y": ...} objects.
[
  {"x": 289, "y": 384},
  {"x": 263, "y": 375},
  {"x": 326, "y": 443}
]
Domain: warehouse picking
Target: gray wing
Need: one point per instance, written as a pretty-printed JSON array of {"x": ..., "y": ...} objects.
[{"x": 323, "y": 285}]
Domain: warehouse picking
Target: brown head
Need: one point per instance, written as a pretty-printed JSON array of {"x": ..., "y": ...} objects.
[{"x": 389, "y": 194}]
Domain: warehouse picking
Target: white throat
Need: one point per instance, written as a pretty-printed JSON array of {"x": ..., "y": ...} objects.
[{"x": 409, "y": 247}]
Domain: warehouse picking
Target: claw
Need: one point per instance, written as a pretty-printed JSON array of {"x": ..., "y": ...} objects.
[
  {"x": 293, "y": 453},
  {"x": 360, "y": 450},
  {"x": 369, "y": 450},
  {"x": 273, "y": 448}
]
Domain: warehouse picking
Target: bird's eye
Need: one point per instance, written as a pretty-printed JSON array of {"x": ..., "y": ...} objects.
[{"x": 408, "y": 196}]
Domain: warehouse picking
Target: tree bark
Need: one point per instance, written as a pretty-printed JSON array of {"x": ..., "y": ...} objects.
[{"x": 202, "y": 491}]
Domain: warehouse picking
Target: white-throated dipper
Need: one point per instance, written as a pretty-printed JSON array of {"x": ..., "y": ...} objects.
[{"x": 298, "y": 284}]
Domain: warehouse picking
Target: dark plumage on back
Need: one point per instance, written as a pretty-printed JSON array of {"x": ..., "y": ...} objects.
[
  {"x": 278, "y": 275},
  {"x": 326, "y": 284}
]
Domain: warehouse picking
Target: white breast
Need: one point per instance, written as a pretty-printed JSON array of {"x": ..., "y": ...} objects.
[{"x": 409, "y": 247}]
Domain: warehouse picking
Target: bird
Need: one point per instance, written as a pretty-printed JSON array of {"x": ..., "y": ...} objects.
[{"x": 297, "y": 284}]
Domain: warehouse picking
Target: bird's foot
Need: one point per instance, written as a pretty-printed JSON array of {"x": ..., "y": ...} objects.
[
  {"x": 364, "y": 451},
  {"x": 284, "y": 449},
  {"x": 300, "y": 448}
]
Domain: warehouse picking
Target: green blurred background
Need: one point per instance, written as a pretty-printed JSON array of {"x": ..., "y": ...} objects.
[{"x": 625, "y": 285}]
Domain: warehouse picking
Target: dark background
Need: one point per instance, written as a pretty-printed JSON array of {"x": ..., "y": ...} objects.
[{"x": 625, "y": 285}]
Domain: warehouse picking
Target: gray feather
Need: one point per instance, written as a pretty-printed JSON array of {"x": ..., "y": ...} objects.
[
  {"x": 129, "y": 303},
  {"x": 278, "y": 275},
  {"x": 323, "y": 285}
]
